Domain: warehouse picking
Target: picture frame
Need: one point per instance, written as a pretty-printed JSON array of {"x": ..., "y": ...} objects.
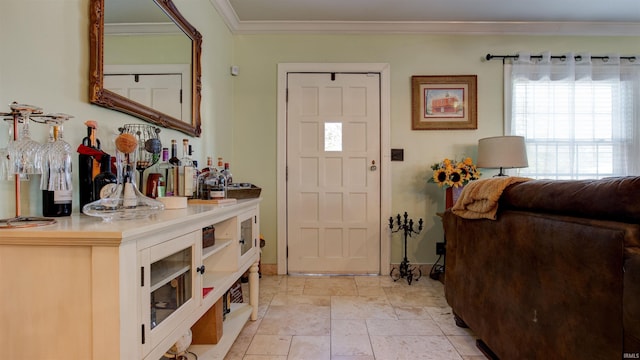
[{"x": 444, "y": 102}]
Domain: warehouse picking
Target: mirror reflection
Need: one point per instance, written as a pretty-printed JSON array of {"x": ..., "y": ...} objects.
[{"x": 150, "y": 65}]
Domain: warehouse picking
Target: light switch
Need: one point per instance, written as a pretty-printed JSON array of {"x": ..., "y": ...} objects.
[{"x": 397, "y": 154}]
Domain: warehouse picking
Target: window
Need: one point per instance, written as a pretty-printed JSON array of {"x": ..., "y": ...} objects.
[
  {"x": 332, "y": 136},
  {"x": 575, "y": 126}
]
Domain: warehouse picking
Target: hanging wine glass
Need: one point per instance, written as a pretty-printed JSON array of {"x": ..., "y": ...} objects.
[
  {"x": 5, "y": 173},
  {"x": 6, "y": 168},
  {"x": 56, "y": 157},
  {"x": 149, "y": 146},
  {"x": 23, "y": 153}
]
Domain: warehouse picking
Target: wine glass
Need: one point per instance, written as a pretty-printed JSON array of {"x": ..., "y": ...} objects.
[
  {"x": 24, "y": 156},
  {"x": 56, "y": 157},
  {"x": 5, "y": 173},
  {"x": 149, "y": 146}
]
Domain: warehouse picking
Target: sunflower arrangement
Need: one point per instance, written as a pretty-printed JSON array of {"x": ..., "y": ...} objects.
[{"x": 451, "y": 173}]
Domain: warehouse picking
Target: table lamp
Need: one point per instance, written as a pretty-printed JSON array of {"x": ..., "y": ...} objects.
[{"x": 502, "y": 152}]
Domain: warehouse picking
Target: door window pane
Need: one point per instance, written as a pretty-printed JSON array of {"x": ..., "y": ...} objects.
[{"x": 332, "y": 136}]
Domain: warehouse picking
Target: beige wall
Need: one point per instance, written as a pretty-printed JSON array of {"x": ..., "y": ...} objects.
[
  {"x": 255, "y": 109},
  {"x": 44, "y": 61}
]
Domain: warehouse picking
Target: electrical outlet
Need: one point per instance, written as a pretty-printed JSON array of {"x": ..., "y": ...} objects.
[{"x": 440, "y": 248}]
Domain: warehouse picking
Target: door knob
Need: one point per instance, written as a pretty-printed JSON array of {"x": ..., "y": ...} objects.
[{"x": 373, "y": 166}]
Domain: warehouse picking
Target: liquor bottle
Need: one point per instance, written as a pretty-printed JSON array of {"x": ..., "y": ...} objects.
[
  {"x": 209, "y": 183},
  {"x": 220, "y": 190},
  {"x": 88, "y": 166},
  {"x": 56, "y": 203},
  {"x": 106, "y": 181},
  {"x": 202, "y": 188},
  {"x": 187, "y": 171},
  {"x": 196, "y": 173},
  {"x": 220, "y": 165},
  {"x": 228, "y": 175},
  {"x": 219, "y": 187},
  {"x": 162, "y": 186},
  {"x": 175, "y": 170},
  {"x": 168, "y": 180},
  {"x": 173, "y": 160}
]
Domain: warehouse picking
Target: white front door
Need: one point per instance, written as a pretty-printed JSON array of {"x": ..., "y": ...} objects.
[{"x": 333, "y": 177}]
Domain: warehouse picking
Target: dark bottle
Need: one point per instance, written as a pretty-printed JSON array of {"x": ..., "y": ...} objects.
[
  {"x": 166, "y": 183},
  {"x": 56, "y": 203},
  {"x": 88, "y": 166},
  {"x": 175, "y": 170},
  {"x": 174, "y": 160},
  {"x": 105, "y": 181},
  {"x": 85, "y": 179}
]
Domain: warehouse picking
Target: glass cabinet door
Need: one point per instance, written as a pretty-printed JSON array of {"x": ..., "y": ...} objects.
[
  {"x": 170, "y": 285},
  {"x": 246, "y": 235}
]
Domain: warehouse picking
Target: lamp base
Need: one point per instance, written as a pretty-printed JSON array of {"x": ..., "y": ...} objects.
[{"x": 500, "y": 173}]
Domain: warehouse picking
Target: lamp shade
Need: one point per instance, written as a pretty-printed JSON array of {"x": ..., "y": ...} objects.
[{"x": 502, "y": 152}]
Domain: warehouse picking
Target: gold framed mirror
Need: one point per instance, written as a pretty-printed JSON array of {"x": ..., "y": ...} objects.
[{"x": 100, "y": 95}]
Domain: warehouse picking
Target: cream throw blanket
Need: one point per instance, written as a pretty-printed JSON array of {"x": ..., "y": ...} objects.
[{"x": 479, "y": 199}]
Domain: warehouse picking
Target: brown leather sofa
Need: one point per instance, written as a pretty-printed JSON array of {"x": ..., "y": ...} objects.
[{"x": 556, "y": 276}]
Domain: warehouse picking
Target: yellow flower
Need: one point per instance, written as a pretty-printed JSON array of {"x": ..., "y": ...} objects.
[
  {"x": 454, "y": 173},
  {"x": 440, "y": 177},
  {"x": 456, "y": 178}
]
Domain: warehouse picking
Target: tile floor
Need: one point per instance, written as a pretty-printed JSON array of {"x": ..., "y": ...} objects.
[{"x": 352, "y": 318}]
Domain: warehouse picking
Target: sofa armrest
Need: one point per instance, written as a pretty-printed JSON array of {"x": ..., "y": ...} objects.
[
  {"x": 631, "y": 301},
  {"x": 450, "y": 223}
]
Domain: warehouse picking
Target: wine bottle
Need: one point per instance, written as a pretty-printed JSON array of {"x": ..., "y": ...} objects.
[
  {"x": 166, "y": 183},
  {"x": 56, "y": 203},
  {"x": 187, "y": 171},
  {"x": 105, "y": 181},
  {"x": 88, "y": 167},
  {"x": 175, "y": 169}
]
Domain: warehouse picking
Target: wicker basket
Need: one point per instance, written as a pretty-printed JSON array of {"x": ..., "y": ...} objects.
[{"x": 243, "y": 192}]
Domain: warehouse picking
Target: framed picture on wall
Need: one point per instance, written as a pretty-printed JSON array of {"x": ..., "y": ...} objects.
[{"x": 444, "y": 102}]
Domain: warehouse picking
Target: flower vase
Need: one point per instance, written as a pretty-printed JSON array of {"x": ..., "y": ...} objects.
[{"x": 451, "y": 196}]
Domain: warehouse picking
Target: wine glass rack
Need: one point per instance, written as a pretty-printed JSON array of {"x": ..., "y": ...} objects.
[{"x": 16, "y": 117}]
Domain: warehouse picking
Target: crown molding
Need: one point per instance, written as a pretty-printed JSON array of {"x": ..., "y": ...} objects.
[
  {"x": 575, "y": 28},
  {"x": 440, "y": 27}
]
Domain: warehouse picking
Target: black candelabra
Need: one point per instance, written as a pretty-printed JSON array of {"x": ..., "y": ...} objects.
[{"x": 404, "y": 270}]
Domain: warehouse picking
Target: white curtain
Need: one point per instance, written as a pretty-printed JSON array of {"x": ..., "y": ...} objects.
[{"x": 580, "y": 116}]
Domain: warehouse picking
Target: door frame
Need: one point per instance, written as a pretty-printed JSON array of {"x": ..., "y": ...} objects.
[{"x": 385, "y": 150}]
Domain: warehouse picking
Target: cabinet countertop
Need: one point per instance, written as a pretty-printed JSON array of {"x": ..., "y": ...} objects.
[{"x": 84, "y": 230}]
